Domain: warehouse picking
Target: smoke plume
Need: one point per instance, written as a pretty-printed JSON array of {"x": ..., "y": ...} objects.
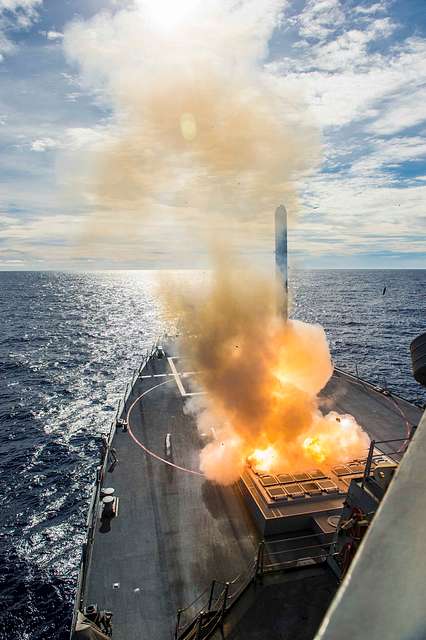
[
  {"x": 262, "y": 377},
  {"x": 202, "y": 134}
]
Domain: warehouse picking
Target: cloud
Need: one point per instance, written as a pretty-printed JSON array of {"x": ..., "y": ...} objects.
[
  {"x": 19, "y": 5},
  {"x": 350, "y": 49},
  {"x": 402, "y": 113},
  {"x": 388, "y": 154},
  {"x": 355, "y": 216},
  {"x": 44, "y": 144},
  {"x": 344, "y": 83},
  {"x": 53, "y": 35},
  {"x": 15, "y": 14},
  {"x": 320, "y": 18},
  {"x": 199, "y": 126},
  {"x": 359, "y": 67},
  {"x": 377, "y": 7}
]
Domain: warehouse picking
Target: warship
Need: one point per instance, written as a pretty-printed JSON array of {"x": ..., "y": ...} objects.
[{"x": 328, "y": 554}]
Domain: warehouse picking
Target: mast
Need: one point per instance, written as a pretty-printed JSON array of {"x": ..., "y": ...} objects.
[{"x": 281, "y": 261}]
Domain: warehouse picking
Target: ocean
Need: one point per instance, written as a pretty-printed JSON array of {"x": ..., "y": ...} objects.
[{"x": 69, "y": 344}]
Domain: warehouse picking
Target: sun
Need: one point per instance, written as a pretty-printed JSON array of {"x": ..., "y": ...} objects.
[{"x": 168, "y": 14}]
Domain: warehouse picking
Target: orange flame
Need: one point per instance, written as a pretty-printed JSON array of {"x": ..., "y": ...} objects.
[
  {"x": 314, "y": 448},
  {"x": 262, "y": 460},
  {"x": 262, "y": 377}
]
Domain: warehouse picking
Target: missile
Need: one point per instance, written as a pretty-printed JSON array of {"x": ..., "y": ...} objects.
[{"x": 281, "y": 261}]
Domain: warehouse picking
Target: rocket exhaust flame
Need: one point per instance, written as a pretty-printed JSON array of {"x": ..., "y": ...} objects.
[
  {"x": 262, "y": 376},
  {"x": 262, "y": 460}
]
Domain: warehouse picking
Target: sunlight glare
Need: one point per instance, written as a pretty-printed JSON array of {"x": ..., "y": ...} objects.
[{"x": 168, "y": 14}]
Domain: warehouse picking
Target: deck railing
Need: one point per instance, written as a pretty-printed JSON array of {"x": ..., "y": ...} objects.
[{"x": 208, "y": 611}]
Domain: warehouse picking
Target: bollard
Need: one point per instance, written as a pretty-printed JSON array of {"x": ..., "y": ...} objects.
[{"x": 108, "y": 509}]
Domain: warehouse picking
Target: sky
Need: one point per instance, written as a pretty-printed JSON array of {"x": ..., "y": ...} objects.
[{"x": 346, "y": 79}]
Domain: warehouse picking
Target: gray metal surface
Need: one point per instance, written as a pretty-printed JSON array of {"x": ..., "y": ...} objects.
[
  {"x": 382, "y": 416},
  {"x": 382, "y": 595},
  {"x": 289, "y": 606},
  {"x": 175, "y": 532}
]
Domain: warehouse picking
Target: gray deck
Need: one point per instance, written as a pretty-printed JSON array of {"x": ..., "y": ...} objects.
[
  {"x": 175, "y": 532},
  {"x": 383, "y": 417}
]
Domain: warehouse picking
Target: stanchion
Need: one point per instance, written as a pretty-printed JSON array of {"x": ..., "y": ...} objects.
[
  {"x": 178, "y": 615},
  {"x": 211, "y": 594},
  {"x": 225, "y": 600},
  {"x": 200, "y": 626},
  {"x": 369, "y": 461}
]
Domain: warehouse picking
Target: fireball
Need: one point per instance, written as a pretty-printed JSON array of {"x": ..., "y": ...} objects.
[
  {"x": 313, "y": 447},
  {"x": 262, "y": 460}
]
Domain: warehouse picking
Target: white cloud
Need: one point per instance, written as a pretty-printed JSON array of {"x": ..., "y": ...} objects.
[
  {"x": 6, "y": 46},
  {"x": 403, "y": 112},
  {"x": 42, "y": 228},
  {"x": 353, "y": 86},
  {"x": 354, "y": 77},
  {"x": 377, "y": 7},
  {"x": 44, "y": 144},
  {"x": 16, "y": 14},
  {"x": 364, "y": 90},
  {"x": 19, "y": 5},
  {"x": 389, "y": 154},
  {"x": 53, "y": 35},
  {"x": 320, "y": 18},
  {"x": 82, "y": 137},
  {"x": 358, "y": 215},
  {"x": 73, "y": 96},
  {"x": 350, "y": 49}
]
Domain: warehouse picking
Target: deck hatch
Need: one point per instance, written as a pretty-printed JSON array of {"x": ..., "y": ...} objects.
[
  {"x": 357, "y": 468},
  {"x": 316, "y": 474},
  {"x": 312, "y": 488},
  {"x": 342, "y": 470},
  {"x": 328, "y": 485},
  {"x": 301, "y": 477},
  {"x": 295, "y": 490},
  {"x": 277, "y": 493},
  {"x": 269, "y": 480},
  {"x": 285, "y": 478}
]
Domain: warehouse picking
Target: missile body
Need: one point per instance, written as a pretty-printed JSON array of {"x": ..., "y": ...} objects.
[{"x": 281, "y": 261}]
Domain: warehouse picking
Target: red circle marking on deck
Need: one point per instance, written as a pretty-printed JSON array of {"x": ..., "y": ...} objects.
[{"x": 142, "y": 446}]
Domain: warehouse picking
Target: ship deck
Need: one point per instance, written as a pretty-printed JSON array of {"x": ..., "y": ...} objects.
[{"x": 175, "y": 532}]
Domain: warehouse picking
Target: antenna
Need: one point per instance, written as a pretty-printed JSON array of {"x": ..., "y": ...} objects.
[{"x": 281, "y": 261}]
